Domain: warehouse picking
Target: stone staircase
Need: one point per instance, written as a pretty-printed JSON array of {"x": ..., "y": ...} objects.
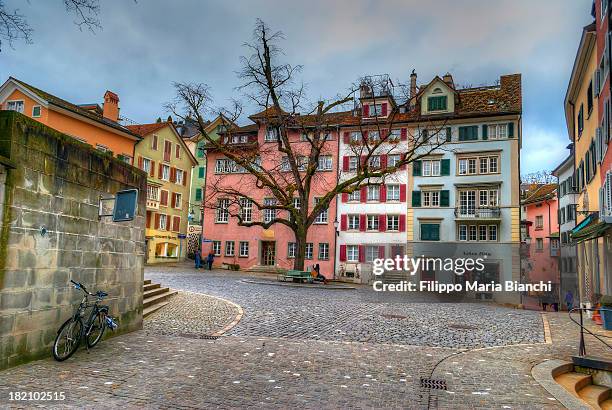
[
  {"x": 155, "y": 297},
  {"x": 581, "y": 385},
  {"x": 394, "y": 276}
]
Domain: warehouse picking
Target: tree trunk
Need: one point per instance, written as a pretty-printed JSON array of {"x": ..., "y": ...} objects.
[{"x": 300, "y": 248}]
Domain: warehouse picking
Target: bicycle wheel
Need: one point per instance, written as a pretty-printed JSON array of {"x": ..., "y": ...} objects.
[
  {"x": 96, "y": 330},
  {"x": 68, "y": 339}
]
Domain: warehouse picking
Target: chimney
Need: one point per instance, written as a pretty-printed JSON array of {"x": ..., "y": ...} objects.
[
  {"x": 111, "y": 106},
  {"x": 413, "y": 87},
  {"x": 448, "y": 79}
]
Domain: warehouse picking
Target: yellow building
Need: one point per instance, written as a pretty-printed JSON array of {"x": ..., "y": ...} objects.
[{"x": 168, "y": 162}]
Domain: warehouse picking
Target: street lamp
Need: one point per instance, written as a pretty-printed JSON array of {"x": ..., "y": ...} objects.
[{"x": 336, "y": 226}]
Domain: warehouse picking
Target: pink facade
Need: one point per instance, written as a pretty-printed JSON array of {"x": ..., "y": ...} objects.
[{"x": 268, "y": 247}]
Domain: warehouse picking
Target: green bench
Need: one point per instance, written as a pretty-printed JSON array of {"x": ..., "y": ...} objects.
[{"x": 296, "y": 276}]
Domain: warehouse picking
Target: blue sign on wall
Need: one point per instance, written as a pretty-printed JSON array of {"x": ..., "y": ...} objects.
[{"x": 126, "y": 203}]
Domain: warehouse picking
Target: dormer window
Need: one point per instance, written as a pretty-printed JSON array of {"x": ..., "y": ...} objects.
[
  {"x": 437, "y": 103},
  {"x": 272, "y": 134},
  {"x": 375, "y": 110}
]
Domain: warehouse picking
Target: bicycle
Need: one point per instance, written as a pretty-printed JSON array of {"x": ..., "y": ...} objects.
[{"x": 73, "y": 331}]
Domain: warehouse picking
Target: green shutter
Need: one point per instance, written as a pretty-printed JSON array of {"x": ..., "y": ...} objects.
[
  {"x": 201, "y": 172},
  {"x": 445, "y": 167},
  {"x": 435, "y": 232},
  {"x": 510, "y": 130},
  {"x": 416, "y": 168},
  {"x": 474, "y": 132},
  {"x": 430, "y": 104},
  {"x": 462, "y": 133},
  {"x": 444, "y": 102},
  {"x": 416, "y": 198},
  {"x": 444, "y": 198},
  {"x": 198, "y": 196},
  {"x": 485, "y": 132},
  {"x": 448, "y": 134},
  {"x": 425, "y": 232}
]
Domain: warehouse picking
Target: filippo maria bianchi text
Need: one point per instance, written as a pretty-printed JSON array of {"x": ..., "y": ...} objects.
[{"x": 468, "y": 286}]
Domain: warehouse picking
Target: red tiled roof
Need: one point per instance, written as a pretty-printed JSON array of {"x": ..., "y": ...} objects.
[{"x": 145, "y": 129}]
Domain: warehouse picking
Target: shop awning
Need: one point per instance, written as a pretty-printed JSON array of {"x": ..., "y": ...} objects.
[{"x": 593, "y": 230}]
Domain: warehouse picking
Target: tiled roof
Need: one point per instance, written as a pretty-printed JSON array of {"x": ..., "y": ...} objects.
[
  {"x": 146, "y": 129},
  {"x": 51, "y": 99},
  {"x": 538, "y": 192}
]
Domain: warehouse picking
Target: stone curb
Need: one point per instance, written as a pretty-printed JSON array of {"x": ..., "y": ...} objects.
[
  {"x": 547, "y": 335},
  {"x": 543, "y": 374},
  {"x": 298, "y": 285},
  {"x": 233, "y": 323}
]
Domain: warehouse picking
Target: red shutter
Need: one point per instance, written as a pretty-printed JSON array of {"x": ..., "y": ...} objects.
[
  {"x": 163, "y": 200},
  {"x": 345, "y": 163},
  {"x": 361, "y": 253},
  {"x": 383, "y": 193},
  {"x": 185, "y": 178},
  {"x": 402, "y": 223},
  {"x": 383, "y": 161},
  {"x": 148, "y": 219},
  {"x": 364, "y": 137},
  {"x": 173, "y": 201},
  {"x": 384, "y": 134},
  {"x": 152, "y": 170},
  {"x": 381, "y": 252},
  {"x": 176, "y": 223},
  {"x": 346, "y": 136},
  {"x": 161, "y": 173},
  {"x": 382, "y": 223},
  {"x": 168, "y": 222},
  {"x": 366, "y": 110},
  {"x": 363, "y": 160},
  {"x": 362, "y": 222},
  {"x": 363, "y": 196},
  {"x": 342, "y": 253},
  {"x": 154, "y": 142},
  {"x": 384, "y": 109},
  {"x": 402, "y": 193},
  {"x": 178, "y": 151},
  {"x": 404, "y": 134},
  {"x": 140, "y": 161},
  {"x": 157, "y": 221},
  {"x": 343, "y": 223},
  {"x": 403, "y": 157},
  {"x": 172, "y": 174},
  {"x": 344, "y": 197}
]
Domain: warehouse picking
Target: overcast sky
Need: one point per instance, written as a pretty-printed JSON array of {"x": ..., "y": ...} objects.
[{"x": 146, "y": 45}]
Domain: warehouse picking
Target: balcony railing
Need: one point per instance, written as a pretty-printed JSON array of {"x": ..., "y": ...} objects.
[
  {"x": 478, "y": 213},
  {"x": 152, "y": 203}
]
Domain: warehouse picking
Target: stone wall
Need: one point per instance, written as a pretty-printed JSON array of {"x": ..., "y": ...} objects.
[{"x": 50, "y": 186}]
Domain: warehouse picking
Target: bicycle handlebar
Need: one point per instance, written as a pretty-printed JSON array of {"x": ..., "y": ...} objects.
[{"x": 79, "y": 285}]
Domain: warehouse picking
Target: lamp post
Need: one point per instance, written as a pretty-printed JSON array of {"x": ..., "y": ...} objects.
[{"x": 336, "y": 226}]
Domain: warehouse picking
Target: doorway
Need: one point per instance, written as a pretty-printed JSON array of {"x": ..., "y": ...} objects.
[{"x": 268, "y": 253}]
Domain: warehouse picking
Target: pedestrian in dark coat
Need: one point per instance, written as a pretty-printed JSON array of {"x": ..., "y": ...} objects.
[
  {"x": 198, "y": 259},
  {"x": 209, "y": 259}
]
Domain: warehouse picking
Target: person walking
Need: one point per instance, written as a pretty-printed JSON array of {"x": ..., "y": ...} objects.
[
  {"x": 198, "y": 259},
  {"x": 569, "y": 300},
  {"x": 209, "y": 259}
]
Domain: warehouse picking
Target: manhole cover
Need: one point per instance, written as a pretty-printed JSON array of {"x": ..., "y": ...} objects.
[
  {"x": 388, "y": 316},
  {"x": 462, "y": 326},
  {"x": 435, "y": 384}
]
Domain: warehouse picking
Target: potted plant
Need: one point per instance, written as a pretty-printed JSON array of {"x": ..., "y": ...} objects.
[{"x": 606, "y": 311}]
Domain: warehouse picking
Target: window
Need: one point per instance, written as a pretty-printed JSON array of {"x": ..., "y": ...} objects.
[
  {"x": 198, "y": 194},
  {"x": 152, "y": 193},
  {"x": 493, "y": 165},
  {"x": 472, "y": 233},
  {"x": 353, "y": 163},
  {"x": 590, "y": 98},
  {"x": 395, "y": 135},
  {"x": 323, "y": 251},
  {"x": 167, "y": 150},
  {"x": 36, "y": 111},
  {"x": 178, "y": 200},
  {"x": 539, "y": 222},
  {"x": 493, "y": 232},
  {"x": 469, "y": 133},
  {"x": 431, "y": 168},
  {"x": 580, "y": 121},
  {"x": 373, "y": 192},
  {"x": 371, "y": 253},
  {"x": 285, "y": 165},
  {"x": 163, "y": 222},
  {"x": 229, "y": 248},
  {"x": 222, "y": 210},
  {"x": 372, "y": 223},
  {"x": 352, "y": 253},
  {"x": 471, "y": 166},
  {"x": 272, "y": 134},
  {"x": 430, "y": 231},
  {"x": 497, "y": 131},
  {"x": 393, "y": 222},
  {"x": 374, "y": 136},
  {"x": 355, "y": 137},
  {"x": 393, "y": 192},
  {"x": 216, "y": 248},
  {"x": 481, "y": 233},
  {"x": 244, "y": 249},
  {"x": 291, "y": 250},
  {"x": 15, "y": 106},
  {"x": 177, "y": 151},
  {"x": 463, "y": 232},
  {"x": 374, "y": 161},
  {"x": 488, "y": 164},
  {"x": 354, "y": 196},
  {"x": 125, "y": 158},
  {"x": 325, "y": 163},
  {"x": 180, "y": 176},
  {"x": 431, "y": 199},
  {"x": 103, "y": 148},
  {"x": 154, "y": 142},
  {"x": 165, "y": 172},
  {"x": 309, "y": 250},
  {"x": 353, "y": 222},
  {"x": 484, "y": 165},
  {"x": 322, "y": 217},
  {"x": 246, "y": 209},
  {"x": 393, "y": 159},
  {"x": 375, "y": 110},
  {"x": 437, "y": 103},
  {"x": 539, "y": 244},
  {"x": 146, "y": 165},
  {"x": 269, "y": 214}
]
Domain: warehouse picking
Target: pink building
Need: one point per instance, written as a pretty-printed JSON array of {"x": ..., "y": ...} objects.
[
  {"x": 255, "y": 247},
  {"x": 540, "y": 237}
]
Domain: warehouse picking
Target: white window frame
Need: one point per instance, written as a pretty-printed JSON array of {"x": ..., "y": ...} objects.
[
  {"x": 222, "y": 211},
  {"x": 246, "y": 210},
  {"x": 393, "y": 223},
  {"x": 272, "y": 134},
  {"x": 270, "y": 214},
  {"x": 16, "y": 104},
  {"x": 372, "y": 224},
  {"x": 309, "y": 251},
  {"x": 178, "y": 200},
  {"x": 243, "y": 249},
  {"x": 323, "y": 217},
  {"x": 291, "y": 250},
  {"x": 373, "y": 193},
  {"x": 325, "y": 163},
  {"x": 39, "y": 111},
  {"x": 323, "y": 251},
  {"x": 353, "y": 163},
  {"x": 216, "y": 248},
  {"x": 179, "y": 181},
  {"x": 165, "y": 176},
  {"x": 431, "y": 199},
  {"x": 393, "y": 192},
  {"x": 352, "y": 222},
  {"x": 352, "y": 253},
  {"x": 230, "y": 248},
  {"x": 163, "y": 222}
]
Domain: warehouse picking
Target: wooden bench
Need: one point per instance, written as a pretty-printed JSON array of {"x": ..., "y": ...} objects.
[{"x": 296, "y": 276}]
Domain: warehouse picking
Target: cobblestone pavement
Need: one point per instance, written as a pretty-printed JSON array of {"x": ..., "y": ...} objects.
[
  {"x": 191, "y": 314},
  {"x": 359, "y": 315},
  {"x": 289, "y": 369}
]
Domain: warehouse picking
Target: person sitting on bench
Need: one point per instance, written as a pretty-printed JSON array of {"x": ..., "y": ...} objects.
[{"x": 319, "y": 277}]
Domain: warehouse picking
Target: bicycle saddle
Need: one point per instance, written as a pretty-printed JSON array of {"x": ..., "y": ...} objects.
[{"x": 101, "y": 293}]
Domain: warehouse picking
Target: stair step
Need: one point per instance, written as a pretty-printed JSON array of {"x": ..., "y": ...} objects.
[
  {"x": 573, "y": 381},
  {"x": 594, "y": 394},
  {"x": 147, "y": 281},
  {"x": 151, "y": 286},
  {"x": 147, "y": 311},
  {"x": 606, "y": 404},
  {"x": 158, "y": 298},
  {"x": 153, "y": 292}
]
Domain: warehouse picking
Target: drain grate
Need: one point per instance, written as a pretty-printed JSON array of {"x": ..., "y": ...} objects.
[
  {"x": 193, "y": 336},
  {"x": 434, "y": 384}
]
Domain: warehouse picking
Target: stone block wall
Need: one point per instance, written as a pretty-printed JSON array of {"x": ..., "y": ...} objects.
[{"x": 50, "y": 185}]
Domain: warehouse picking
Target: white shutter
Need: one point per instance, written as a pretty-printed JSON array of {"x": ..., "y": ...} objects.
[{"x": 605, "y": 204}]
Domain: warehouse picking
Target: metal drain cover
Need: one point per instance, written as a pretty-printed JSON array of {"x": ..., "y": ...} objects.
[{"x": 434, "y": 384}]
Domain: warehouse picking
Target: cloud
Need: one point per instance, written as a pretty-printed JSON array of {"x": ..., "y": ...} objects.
[{"x": 543, "y": 149}]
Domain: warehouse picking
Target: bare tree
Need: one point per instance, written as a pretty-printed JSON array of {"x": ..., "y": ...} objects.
[
  {"x": 539, "y": 177},
  {"x": 14, "y": 25},
  {"x": 288, "y": 171}
]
